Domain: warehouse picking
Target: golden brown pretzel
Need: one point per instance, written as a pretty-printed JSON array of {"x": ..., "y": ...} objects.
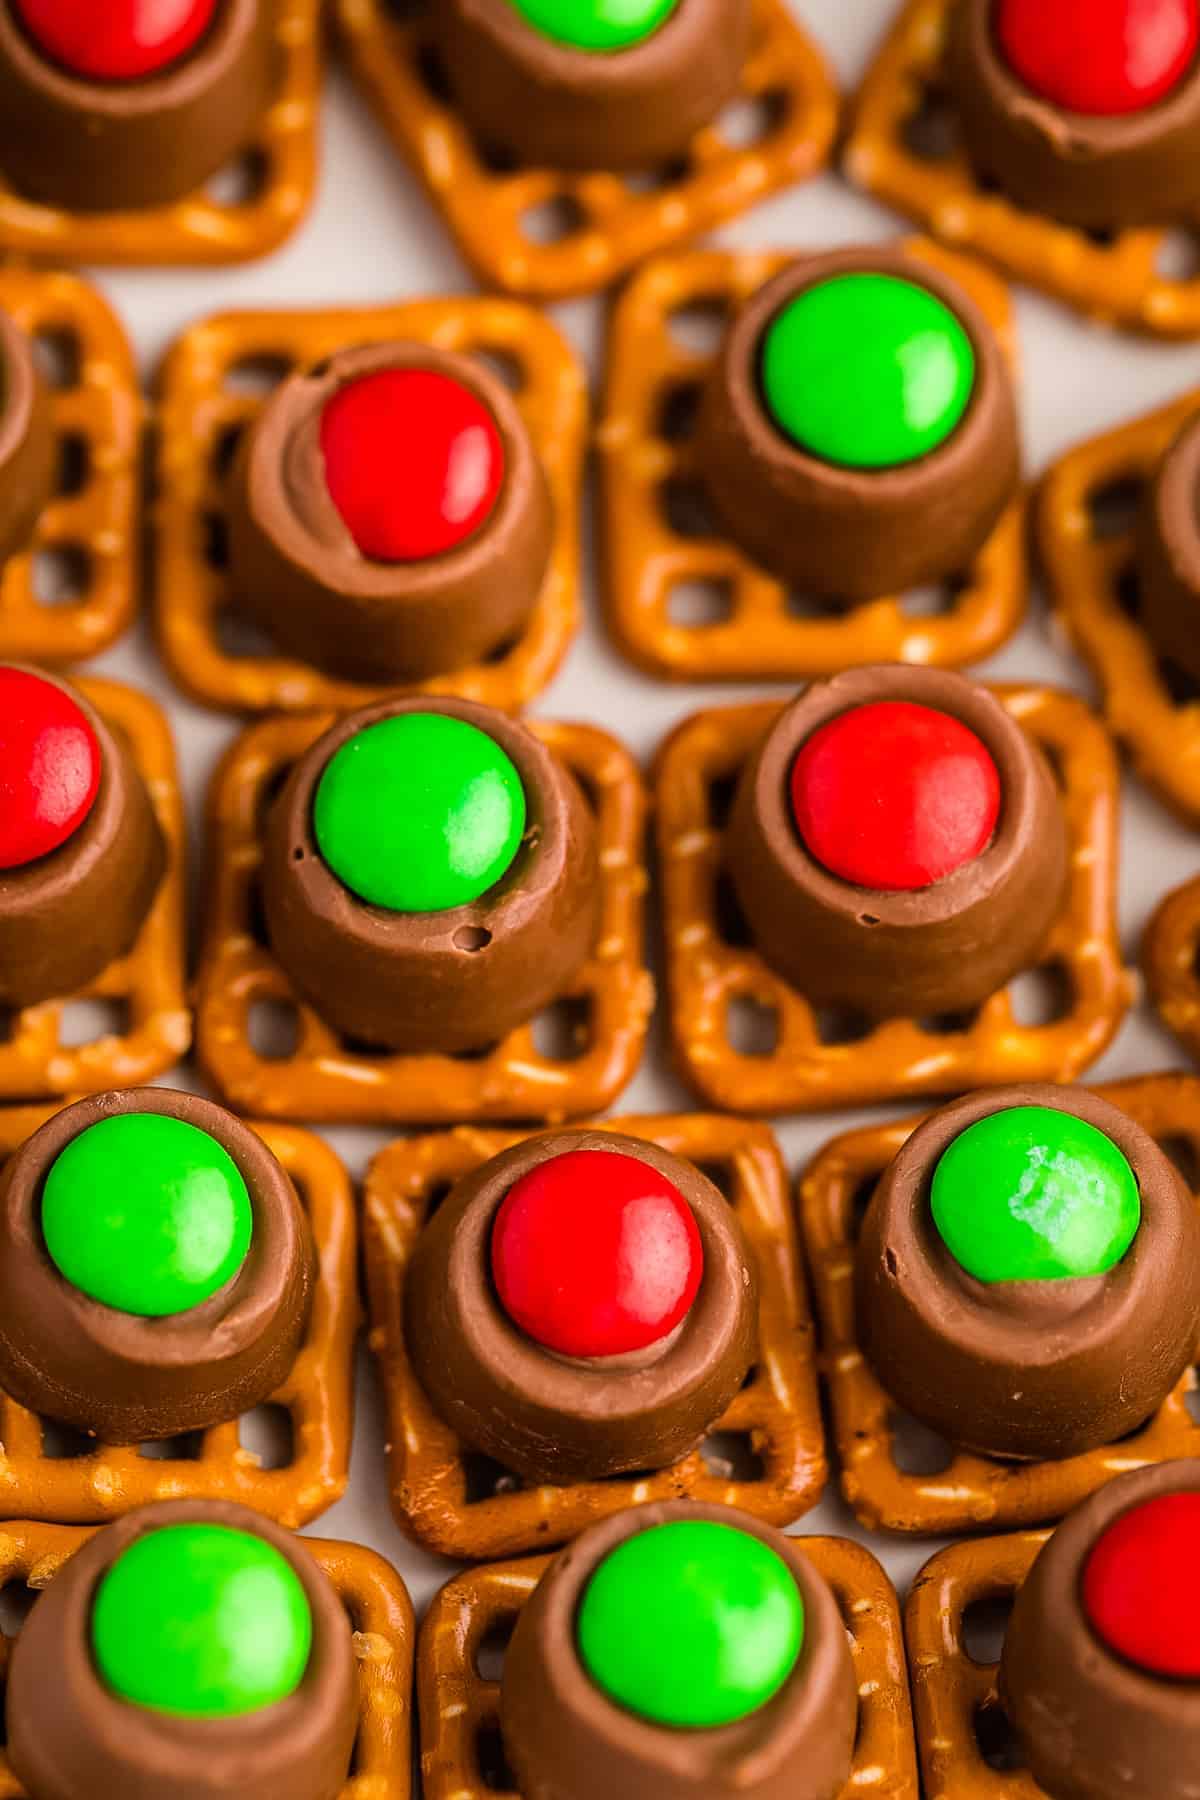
[
  {"x": 774, "y": 1421},
  {"x": 971, "y": 1492},
  {"x": 613, "y": 224},
  {"x": 658, "y": 537},
  {"x": 1170, "y": 952}
]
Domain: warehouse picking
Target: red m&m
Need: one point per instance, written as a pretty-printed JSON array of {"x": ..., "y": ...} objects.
[
  {"x": 413, "y": 461},
  {"x": 894, "y": 796},
  {"x": 49, "y": 767},
  {"x": 1103, "y": 58},
  {"x": 1141, "y": 1587},
  {"x": 119, "y": 40},
  {"x": 596, "y": 1254}
]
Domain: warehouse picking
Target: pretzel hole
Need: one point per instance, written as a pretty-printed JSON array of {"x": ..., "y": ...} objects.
[
  {"x": 490, "y": 1651},
  {"x": 504, "y": 364},
  {"x": 1113, "y": 508},
  {"x": 562, "y": 1032},
  {"x": 499, "y": 652},
  {"x": 699, "y": 325},
  {"x": 1178, "y": 255},
  {"x": 722, "y": 792},
  {"x": 731, "y": 1456},
  {"x": 257, "y": 374},
  {"x": 930, "y": 132},
  {"x": 273, "y": 1029},
  {"x": 59, "y": 356},
  {"x": 225, "y": 448},
  {"x": 405, "y": 12},
  {"x": 477, "y": 1053},
  {"x": 1184, "y": 1152},
  {"x": 678, "y": 410},
  {"x": 800, "y": 604},
  {"x": 949, "y": 1024},
  {"x": 17, "y": 1600},
  {"x": 241, "y": 182},
  {"x": 214, "y": 540},
  {"x": 431, "y": 72},
  {"x": 860, "y": 1201},
  {"x": 268, "y": 1433},
  {"x": 750, "y": 120},
  {"x": 721, "y": 1176},
  {"x": 62, "y": 1443},
  {"x": 916, "y": 1450},
  {"x": 1182, "y": 688},
  {"x": 995, "y": 1737},
  {"x": 1041, "y": 997},
  {"x": 90, "y": 1021},
  {"x": 934, "y": 600},
  {"x": 497, "y": 159},
  {"x": 985, "y": 1626},
  {"x": 729, "y": 918},
  {"x": 686, "y": 509},
  {"x": 239, "y": 636},
  {"x": 706, "y": 600},
  {"x": 659, "y": 180},
  {"x": 74, "y": 464},
  {"x": 438, "y": 1193},
  {"x": 485, "y": 1479},
  {"x": 9, "y": 1018},
  {"x": 62, "y": 574},
  {"x": 494, "y": 1771},
  {"x": 751, "y": 1026},
  {"x": 553, "y": 221},
  {"x": 842, "y": 1025},
  {"x": 185, "y": 1446}
]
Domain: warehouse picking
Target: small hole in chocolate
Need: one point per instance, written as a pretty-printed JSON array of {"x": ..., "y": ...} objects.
[
  {"x": 273, "y": 1029},
  {"x": 1184, "y": 1152},
  {"x": 59, "y": 356},
  {"x": 731, "y": 1456},
  {"x": 489, "y": 1657},
  {"x": 257, "y": 375},
  {"x": 494, "y": 1771},
  {"x": 553, "y": 221},
  {"x": 269, "y": 1434},
  {"x": 1113, "y": 508},
  {"x": 563, "y": 1031},
  {"x": 996, "y": 1738},
  {"x": 1178, "y": 255},
  {"x": 984, "y": 1625},
  {"x": 695, "y": 604},
  {"x": 17, "y": 1601},
  {"x": 868, "y": 919},
  {"x": 74, "y": 464},
  {"x": 471, "y": 938},
  {"x": 214, "y": 540},
  {"x": 685, "y": 508},
  {"x": 700, "y": 325},
  {"x": 504, "y": 364},
  {"x": 748, "y": 122},
  {"x": 225, "y": 448},
  {"x": 62, "y": 574},
  {"x": 842, "y": 1025},
  {"x": 678, "y": 408},
  {"x": 751, "y": 1026},
  {"x": 1041, "y": 996},
  {"x": 239, "y": 637},
  {"x": 90, "y": 1021},
  {"x": 930, "y": 132},
  {"x": 185, "y": 1446},
  {"x": 62, "y": 1443},
  {"x": 241, "y": 182},
  {"x": 916, "y": 1450},
  {"x": 484, "y": 1478}
]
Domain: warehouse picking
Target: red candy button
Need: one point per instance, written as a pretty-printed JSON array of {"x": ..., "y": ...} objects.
[
  {"x": 116, "y": 40},
  {"x": 1100, "y": 57},
  {"x": 413, "y": 460},
  {"x": 49, "y": 768},
  {"x": 894, "y": 796},
  {"x": 1141, "y": 1587},
  {"x": 596, "y": 1254}
]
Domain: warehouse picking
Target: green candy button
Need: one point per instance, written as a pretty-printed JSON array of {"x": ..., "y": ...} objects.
[
  {"x": 692, "y": 1624},
  {"x": 1032, "y": 1194},
  {"x": 604, "y": 25},
  {"x": 868, "y": 371},
  {"x": 201, "y": 1621},
  {"x": 146, "y": 1214},
  {"x": 419, "y": 813}
]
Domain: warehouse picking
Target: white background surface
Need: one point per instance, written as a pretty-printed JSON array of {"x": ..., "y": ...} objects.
[{"x": 372, "y": 237}]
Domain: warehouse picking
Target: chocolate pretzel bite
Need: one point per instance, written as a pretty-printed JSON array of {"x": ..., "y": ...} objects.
[
  {"x": 586, "y": 84},
  {"x": 1101, "y": 1669},
  {"x": 858, "y": 434},
  {"x": 582, "y": 1305},
  {"x": 156, "y": 1269},
  {"x": 1028, "y": 1274},
  {"x": 429, "y": 875},
  {"x": 136, "y": 110},
  {"x": 27, "y": 448},
  {"x": 1090, "y": 115},
  {"x": 680, "y": 1650},
  {"x": 897, "y": 844},
  {"x": 189, "y": 1651},
  {"x": 389, "y": 517},
  {"x": 81, "y": 852}
]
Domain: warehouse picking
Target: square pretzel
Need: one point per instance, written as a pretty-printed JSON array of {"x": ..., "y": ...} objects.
[
  {"x": 73, "y": 591},
  {"x": 278, "y": 172},
  {"x": 49, "y": 1472},
  {"x": 766, "y": 1454},
  {"x": 969, "y": 1492},
  {"x": 381, "y": 1617},
  {"x": 960, "y": 1718},
  {"x": 207, "y": 400},
  {"x": 603, "y": 1016},
  {"x": 552, "y": 235},
  {"x": 1085, "y": 520},
  {"x": 661, "y": 542},
  {"x": 1171, "y": 960},
  {"x": 462, "y": 1755},
  {"x": 903, "y": 148},
  {"x": 801, "y": 1059},
  {"x": 146, "y": 989}
]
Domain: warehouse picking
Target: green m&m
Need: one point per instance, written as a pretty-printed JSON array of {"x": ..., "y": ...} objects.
[
  {"x": 693, "y": 1624},
  {"x": 419, "y": 813},
  {"x": 602, "y": 25},
  {"x": 146, "y": 1213},
  {"x": 202, "y": 1621},
  {"x": 868, "y": 371},
  {"x": 1033, "y": 1194}
]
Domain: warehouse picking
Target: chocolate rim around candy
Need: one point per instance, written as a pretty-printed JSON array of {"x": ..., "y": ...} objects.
[
  {"x": 66, "y": 1728},
  {"x": 558, "y": 1723},
  {"x": 557, "y": 1419},
  {"x": 60, "y": 1349},
  {"x": 1028, "y": 1370}
]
